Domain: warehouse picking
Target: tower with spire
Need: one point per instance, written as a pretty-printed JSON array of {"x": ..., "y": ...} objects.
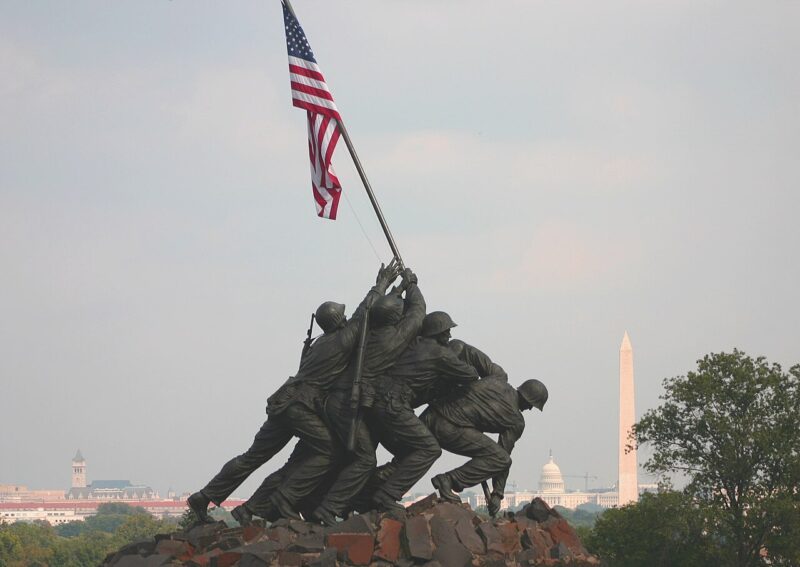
[
  {"x": 628, "y": 485},
  {"x": 78, "y": 471}
]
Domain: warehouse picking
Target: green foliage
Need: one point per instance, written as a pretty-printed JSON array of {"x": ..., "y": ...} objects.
[
  {"x": 31, "y": 545},
  {"x": 39, "y": 544},
  {"x": 783, "y": 541},
  {"x": 107, "y": 523},
  {"x": 110, "y": 516},
  {"x": 579, "y": 517},
  {"x": 188, "y": 519},
  {"x": 86, "y": 549},
  {"x": 10, "y": 545},
  {"x": 661, "y": 530},
  {"x": 142, "y": 527},
  {"x": 733, "y": 428},
  {"x": 119, "y": 509}
]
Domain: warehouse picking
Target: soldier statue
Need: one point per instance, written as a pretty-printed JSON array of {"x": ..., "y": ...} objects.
[
  {"x": 424, "y": 370},
  {"x": 460, "y": 420},
  {"x": 295, "y": 411},
  {"x": 393, "y": 324}
]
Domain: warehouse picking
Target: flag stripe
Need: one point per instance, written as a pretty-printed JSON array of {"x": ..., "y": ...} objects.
[
  {"x": 305, "y": 64},
  {"x": 313, "y": 91},
  {"x": 314, "y": 108},
  {"x": 309, "y": 91},
  {"x": 303, "y": 80}
]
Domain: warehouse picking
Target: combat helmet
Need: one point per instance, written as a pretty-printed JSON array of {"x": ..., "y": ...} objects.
[
  {"x": 436, "y": 322},
  {"x": 330, "y": 316},
  {"x": 386, "y": 311},
  {"x": 534, "y": 392}
]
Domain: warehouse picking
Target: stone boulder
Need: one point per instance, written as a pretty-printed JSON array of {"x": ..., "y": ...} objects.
[{"x": 432, "y": 532}]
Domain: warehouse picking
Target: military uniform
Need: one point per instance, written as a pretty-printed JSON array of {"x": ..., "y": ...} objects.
[
  {"x": 294, "y": 411},
  {"x": 383, "y": 346},
  {"x": 459, "y": 421},
  {"x": 423, "y": 371}
]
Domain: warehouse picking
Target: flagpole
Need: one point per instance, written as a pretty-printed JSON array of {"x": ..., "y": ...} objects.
[{"x": 363, "y": 175}]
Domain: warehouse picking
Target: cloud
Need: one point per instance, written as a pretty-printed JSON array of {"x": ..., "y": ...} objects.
[
  {"x": 243, "y": 111},
  {"x": 456, "y": 162},
  {"x": 561, "y": 256}
]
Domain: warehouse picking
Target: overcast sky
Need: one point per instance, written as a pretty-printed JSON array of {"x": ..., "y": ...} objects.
[{"x": 556, "y": 172}]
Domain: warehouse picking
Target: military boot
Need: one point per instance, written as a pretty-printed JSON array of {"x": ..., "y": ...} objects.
[
  {"x": 385, "y": 503},
  {"x": 198, "y": 503},
  {"x": 441, "y": 482},
  {"x": 284, "y": 508},
  {"x": 243, "y": 515},
  {"x": 323, "y": 516}
]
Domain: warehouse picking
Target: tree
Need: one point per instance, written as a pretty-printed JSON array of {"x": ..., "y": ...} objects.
[
  {"x": 660, "y": 530},
  {"x": 10, "y": 545},
  {"x": 579, "y": 517},
  {"x": 140, "y": 527},
  {"x": 733, "y": 428},
  {"x": 86, "y": 549},
  {"x": 119, "y": 509},
  {"x": 27, "y": 545},
  {"x": 109, "y": 517}
]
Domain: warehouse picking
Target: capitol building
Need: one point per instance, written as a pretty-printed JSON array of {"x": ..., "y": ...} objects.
[
  {"x": 553, "y": 491},
  {"x": 551, "y": 482}
]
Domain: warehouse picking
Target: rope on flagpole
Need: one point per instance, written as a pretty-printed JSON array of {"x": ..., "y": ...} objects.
[
  {"x": 362, "y": 174},
  {"x": 363, "y": 231}
]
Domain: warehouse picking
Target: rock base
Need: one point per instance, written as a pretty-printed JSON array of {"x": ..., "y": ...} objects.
[{"x": 433, "y": 533}]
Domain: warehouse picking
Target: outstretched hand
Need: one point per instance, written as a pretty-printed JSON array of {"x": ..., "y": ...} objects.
[
  {"x": 409, "y": 278},
  {"x": 387, "y": 274}
]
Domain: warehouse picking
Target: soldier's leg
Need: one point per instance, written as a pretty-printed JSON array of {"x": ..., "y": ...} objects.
[
  {"x": 311, "y": 462},
  {"x": 358, "y": 465},
  {"x": 308, "y": 504},
  {"x": 488, "y": 458},
  {"x": 270, "y": 439},
  {"x": 259, "y": 503},
  {"x": 363, "y": 502},
  {"x": 315, "y": 455},
  {"x": 413, "y": 445}
]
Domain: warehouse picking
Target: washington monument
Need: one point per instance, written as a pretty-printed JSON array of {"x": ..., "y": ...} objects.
[{"x": 628, "y": 485}]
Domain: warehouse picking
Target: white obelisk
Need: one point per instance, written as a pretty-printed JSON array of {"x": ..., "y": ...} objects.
[{"x": 628, "y": 485}]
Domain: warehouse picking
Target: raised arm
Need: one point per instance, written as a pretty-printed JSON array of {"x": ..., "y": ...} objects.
[
  {"x": 414, "y": 311},
  {"x": 386, "y": 275}
]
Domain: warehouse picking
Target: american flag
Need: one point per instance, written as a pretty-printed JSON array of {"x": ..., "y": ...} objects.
[{"x": 309, "y": 91}]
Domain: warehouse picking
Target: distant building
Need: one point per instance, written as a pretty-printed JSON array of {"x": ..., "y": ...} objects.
[
  {"x": 104, "y": 489},
  {"x": 38, "y": 514},
  {"x": 18, "y": 504},
  {"x": 553, "y": 491},
  {"x": 628, "y": 465},
  {"x": 20, "y": 493},
  {"x": 551, "y": 484},
  {"x": 551, "y": 481},
  {"x": 78, "y": 471}
]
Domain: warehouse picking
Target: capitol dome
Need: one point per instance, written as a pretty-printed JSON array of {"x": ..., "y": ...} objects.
[{"x": 551, "y": 481}]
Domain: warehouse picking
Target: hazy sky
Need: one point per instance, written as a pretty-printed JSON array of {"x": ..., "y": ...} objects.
[{"x": 556, "y": 173}]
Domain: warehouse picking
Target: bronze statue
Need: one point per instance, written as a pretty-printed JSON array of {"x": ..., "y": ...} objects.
[
  {"x": 459, "y": 421},
  {"x": 425, "y": 368},
  {"x": 393, "y": 325},
  {"x": 295, "y": 411},
  {"x": 357, "y": 386}
]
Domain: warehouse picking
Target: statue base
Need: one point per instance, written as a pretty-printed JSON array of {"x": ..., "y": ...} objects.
[{"x": 431, "y": 532}]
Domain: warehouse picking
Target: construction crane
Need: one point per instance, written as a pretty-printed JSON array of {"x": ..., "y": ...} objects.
[{"x": 585, "y": 477}]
